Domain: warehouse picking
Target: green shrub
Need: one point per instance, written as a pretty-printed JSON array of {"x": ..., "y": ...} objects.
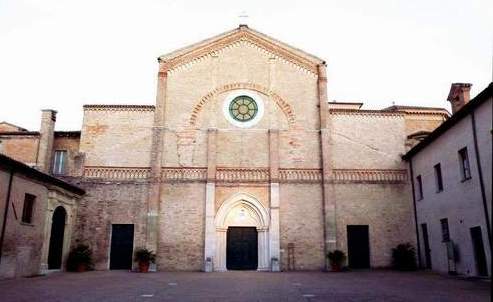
[
  {"x": 144, "y": 255},
  {"x": 81, "y": 255},
  {"x": 336, "y": 257},
  {"x": 404, "y": 257}
]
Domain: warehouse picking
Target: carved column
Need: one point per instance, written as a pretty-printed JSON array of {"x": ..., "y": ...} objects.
[
  {"x": 274, "y": 230},
  {"x": 210, "y": 230},
  {"x": 152, "y": 234},
  {"x": 263, "y": 251},
  {"x": 329, "y": 203},
  {"x": 220, "y": 259}
]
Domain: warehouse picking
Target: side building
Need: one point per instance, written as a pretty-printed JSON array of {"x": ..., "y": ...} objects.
[
  {"x": 38, "y": 214},
  {"x": 451, "y": 170}
]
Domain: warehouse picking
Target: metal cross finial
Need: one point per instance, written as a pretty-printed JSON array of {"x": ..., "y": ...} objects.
[{"x": 243, "y": 18}]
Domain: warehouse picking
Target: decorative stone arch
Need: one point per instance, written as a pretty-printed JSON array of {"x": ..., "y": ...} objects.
[
  {"x": 68, "y": 201},
  {"x": 285, "y": 107},
  {"x": 242, "y": 209}
]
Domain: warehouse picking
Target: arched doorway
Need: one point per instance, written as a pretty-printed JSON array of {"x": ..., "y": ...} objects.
[
  {"x": 56, "y": 238},
  {"x": 242, "y": 234}
]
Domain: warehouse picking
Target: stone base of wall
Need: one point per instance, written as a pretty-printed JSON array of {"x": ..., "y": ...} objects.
[{"x": 386, "y": 208}]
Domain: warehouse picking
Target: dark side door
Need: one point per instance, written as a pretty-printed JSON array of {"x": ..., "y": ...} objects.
[
  {"x": 122, "y": 242},
  {"x": 426, "y": 241},
  {"x": 358, "y": 246},
  {"x": 479, "y": 255},
  {"x": 241, "y": 248}
]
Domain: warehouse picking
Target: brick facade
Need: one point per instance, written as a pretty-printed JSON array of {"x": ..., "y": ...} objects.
[{"x": 169, "y": 169}]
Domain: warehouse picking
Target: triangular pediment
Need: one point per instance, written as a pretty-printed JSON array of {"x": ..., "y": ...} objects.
[{"x": 241, "y": 34}]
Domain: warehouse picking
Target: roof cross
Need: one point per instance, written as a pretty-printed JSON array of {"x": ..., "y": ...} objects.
[{"x": 243, "y": 18}]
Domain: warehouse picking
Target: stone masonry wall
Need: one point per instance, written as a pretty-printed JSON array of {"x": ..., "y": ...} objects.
[
  {"x": 23, "y": 242},
  {"x": 107, "y": 203},
  {"x": 116, "y": 137},
  {"x": 301, "y": 224},
  {"x": 181, "y": 227},
  {"x": 362, "y": 141},
  {"x": 22, "y": 148},
  {"x": 387, "y": 209}
]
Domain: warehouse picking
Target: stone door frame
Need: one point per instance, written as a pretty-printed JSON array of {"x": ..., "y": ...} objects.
[{"x": 258, "y": 216}]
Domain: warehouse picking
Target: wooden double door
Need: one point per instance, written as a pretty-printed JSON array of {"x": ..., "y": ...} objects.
[{"x": 242, "y": 248}]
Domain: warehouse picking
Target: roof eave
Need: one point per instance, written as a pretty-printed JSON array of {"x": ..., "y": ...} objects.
[{"x": 454, "y": 119}]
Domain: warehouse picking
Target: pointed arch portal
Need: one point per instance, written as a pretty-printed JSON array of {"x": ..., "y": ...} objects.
[{"x": 246, "y": 212}]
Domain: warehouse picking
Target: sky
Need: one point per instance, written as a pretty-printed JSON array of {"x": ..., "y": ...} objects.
[{"x": 62, "y": 54}]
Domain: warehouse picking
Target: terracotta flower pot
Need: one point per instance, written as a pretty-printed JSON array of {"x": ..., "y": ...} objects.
[
  {"x": 335, "y": 267},
  {"x": 81, "y": 267},
  {"x": 143, "y": 267}
]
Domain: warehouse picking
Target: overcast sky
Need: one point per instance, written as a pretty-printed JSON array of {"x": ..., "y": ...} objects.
[{"x": 63, "y": 54}]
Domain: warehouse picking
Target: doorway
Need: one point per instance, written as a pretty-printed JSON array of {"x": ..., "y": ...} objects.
[
  {"x": 122, "y": 244},
  {"x": 479, "y": 255},
  {"x": 241, "y": 248},
  {"x": 56, "y": 238},
  {"x": 358, "y": 246},
  {"x": 426, "y": 241}
]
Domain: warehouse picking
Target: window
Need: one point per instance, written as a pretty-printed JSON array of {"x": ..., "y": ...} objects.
[
  {"x": 438, "y": 177},
  {"x": 28, "y": 209},
  {"x": 445, "y": 231},
  {"x": 59, "y": 162},
  {"x": 419, "y": 188},
  {"x": 464, "y": 164},
  {"x": 243, "y": 108}
]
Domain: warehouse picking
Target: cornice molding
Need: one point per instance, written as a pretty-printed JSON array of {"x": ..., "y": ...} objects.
[
  {"x": 149, "y": 108},
  {"x": 186, "y": 58},
  {"x": 369, "y": 176},
  {"x": 249, "y": 175},
  {"x": 372, "y": 113}
]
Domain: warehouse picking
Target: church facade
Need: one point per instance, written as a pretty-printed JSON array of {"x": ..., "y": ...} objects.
[{"x": 242, "y": 163}]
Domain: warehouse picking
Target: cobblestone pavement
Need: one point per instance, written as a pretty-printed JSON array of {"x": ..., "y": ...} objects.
[{"x": 244, "y": 286}]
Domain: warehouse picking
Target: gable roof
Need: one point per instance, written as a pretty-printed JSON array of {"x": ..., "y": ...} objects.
[
  {"x": 18, "y": 167},
  {"x": 484, "y": 95},
  {"x": 242, "y": 33},
  {"x": 11, "y": 126}
]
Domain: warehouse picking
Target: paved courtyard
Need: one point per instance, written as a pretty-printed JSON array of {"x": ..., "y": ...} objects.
[{"x": 244, "y": 286}]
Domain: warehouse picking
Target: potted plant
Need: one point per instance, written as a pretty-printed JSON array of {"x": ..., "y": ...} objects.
[
  {"x": 336, "y": 259},
  {"x": 404, "y": 257},
  {"x": 144, "y": 257},
  {"x": 80, "y": 258}
]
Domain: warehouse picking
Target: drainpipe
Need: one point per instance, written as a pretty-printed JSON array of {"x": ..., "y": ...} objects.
[
  {"x": 415, "y": 211},
  {"x": 6, "y": 212},
  {"x": 481, "y": 182}
]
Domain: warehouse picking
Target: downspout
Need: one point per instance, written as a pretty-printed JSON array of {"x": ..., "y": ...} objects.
[
  {"x": 481, "y": 182},
  {"x": 415, "y": 211},
  {"x": 6, "y": 212}
]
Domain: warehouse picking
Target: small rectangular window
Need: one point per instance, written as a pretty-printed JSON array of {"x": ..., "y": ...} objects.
[
  {"x": 59, "y": 162},
  {"x": 438, "y": 177},
  {"x": 28, "y": 209},
  {"x": 419, "y": 187},
  {"x": 445, "y": 230},
  {"x": 464, "y": 164}
]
